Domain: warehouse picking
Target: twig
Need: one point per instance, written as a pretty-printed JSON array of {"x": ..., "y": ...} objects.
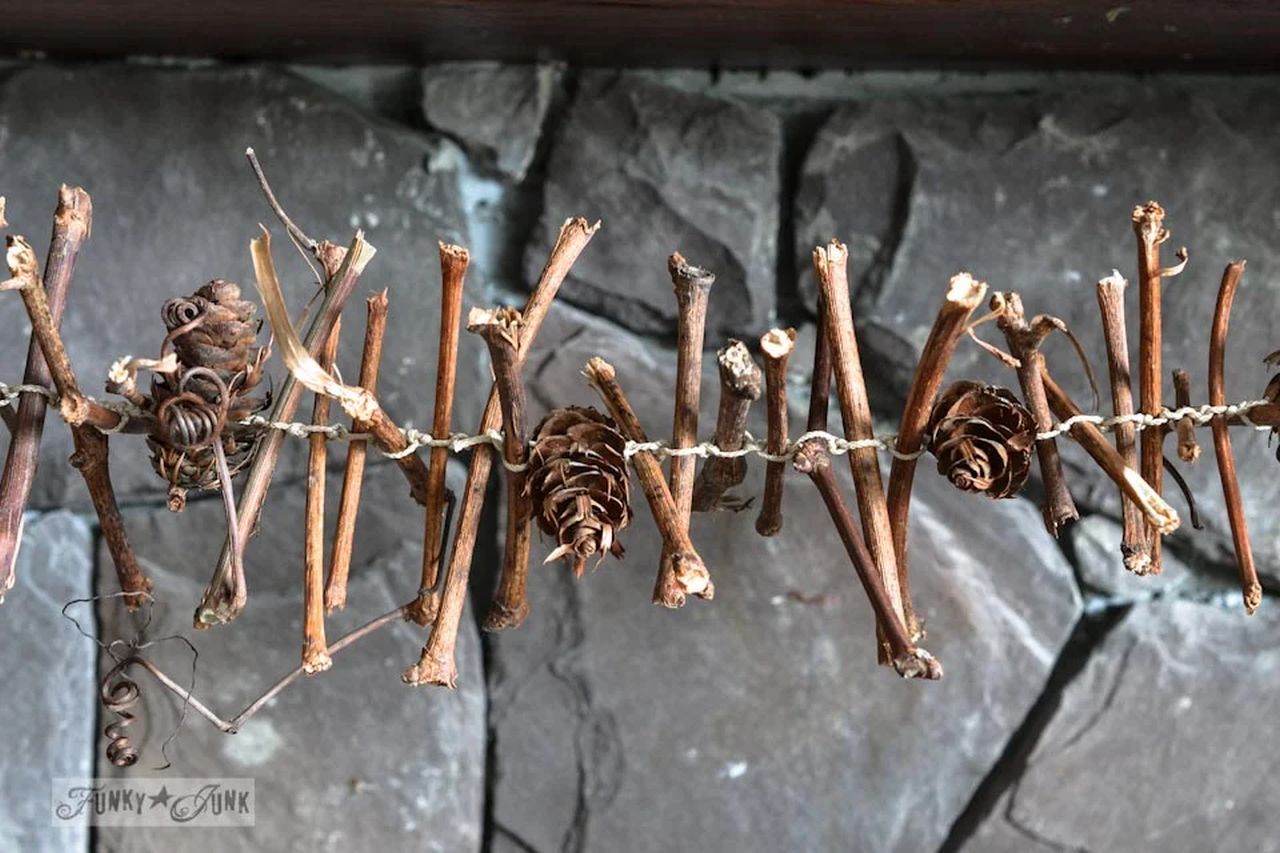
[
  {"x": 295, "y": 233},
  {"x": 219, "y": 605},
  {"x": 813, "y": 459},
  {"x": 1148, "y": 226},
  {"x": 1153, "y": 509},
  {"x": 1024, "y": 339},
  {"x": 1134, "y": 541},
  {"x": 1188, "y": 446},
  {"x": 691, "y": 573},
  {"x": 500, "y": 329},
  {"x": 776, "y": 346},
  {"x": 315, "y": 652},
  {"x": 740, "y": 380},
  {"x": 855, "y": 409},
  {"x": 693, "y": 288},
  {"x": 91, "y": 453},
  {"x": 335, "y": 590},
  {"x": 1250, "y": 588},
  {"x": 71, "y": 225},
  {"x": 964, "y": 294},
  {"x": 436, "y": 664},
  {"x": 453, "y": 270}
]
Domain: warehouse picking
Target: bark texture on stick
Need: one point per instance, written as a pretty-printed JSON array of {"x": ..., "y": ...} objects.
[
  {"x": 692, "y": 288},
  {"x": 315, "y": 650},
  {"x": 964, "y": 294},
  {"x": 436, "y": 664},
  {"x": 1148, "y": 226},
  {"x": 1135, "y": 547},
  {"x": 1250, "y": 588},
  {"x": 1188, "y": 446},
  {"x": 454, "y": 261},
  {"x": 690, "y": 572},
  {"x": 218, "y": 605},
  {"x": 72, "y": 222},
  {"x": 775, "y": 346},
  {"x": 1024, "y": 339},
  {"x": 855, "y": 409},
  {"x": 740, "y": 381},
  {"x": 335, "y": 590},
  {"x": 500, "y": 330}
]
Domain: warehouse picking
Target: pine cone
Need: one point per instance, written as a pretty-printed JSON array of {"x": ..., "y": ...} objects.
[
  {"x": 579, "y": 485},
  {"x": 983, "y": 438},
  {"x": 213, "y": 334}
]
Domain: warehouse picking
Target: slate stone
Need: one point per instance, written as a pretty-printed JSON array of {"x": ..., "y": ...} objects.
[
  {"x": 665, "y": 170},
  {"x": 754, "y": 721},
  {"x": 1159, "y": 744},
  {"x": 350, "y": 758},
  {"x": 495, "y": 110},
  {"x": 49, "y": 682},
  {"x": 162, "y": 153},
  {"x": 1034, "y": 193}
]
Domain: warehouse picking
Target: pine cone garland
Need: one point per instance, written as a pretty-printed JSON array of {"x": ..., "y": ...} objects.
[
  {"x": 213, "y": 333},
  {"x": 579, "y": 485},
  {"x": 983, "y": 438}
]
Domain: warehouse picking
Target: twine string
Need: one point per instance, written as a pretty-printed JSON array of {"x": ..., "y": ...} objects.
[{"x": 836, "y": 445}]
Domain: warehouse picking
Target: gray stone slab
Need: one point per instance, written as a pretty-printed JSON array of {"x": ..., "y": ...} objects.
[
  {"x": 495, "y": 110},
  {"x": 760, "y": 720},
  {"x": 49, "y": 682},
  {"x": 1161, "y": 743},
  {"x": 175, "y": 205},
  {"x": 665, "y": 170},
  {"x": 351, "y": 758},
  {"x": 1034, "y": 193}
]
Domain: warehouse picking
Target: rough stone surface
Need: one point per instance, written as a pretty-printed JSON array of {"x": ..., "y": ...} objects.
[
  {"x": 348, "y": 759},
  {"x": 1034, "y": 193},
  {"x": 495, "y": 110},
  {"x": 162, "y": 153},
  {"x": 754, "y": 721},
  {"x": 1159, "y": 744},
  {"x": 49, "y": 682},
  {"x": 1095, "y": 542},
  {"x": 665, "y": 170}
]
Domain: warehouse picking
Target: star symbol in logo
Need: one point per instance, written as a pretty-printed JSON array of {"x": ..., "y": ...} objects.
[{"x": 162, "y": 798}]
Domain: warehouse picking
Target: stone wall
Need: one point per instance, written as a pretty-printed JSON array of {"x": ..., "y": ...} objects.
[{"x": 1082, "y": 708}]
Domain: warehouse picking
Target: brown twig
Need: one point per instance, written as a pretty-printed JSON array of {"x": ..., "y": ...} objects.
[
  {"x": 775, "y": 346},
  {"x": 691, "y": 573},
  {"x": 221, "y": 601},
  {"x": 855, "y": 408},
  {"x": 91, "y": 446},
  {"x": 436, "y": 664},
  {"x": 964, "y": 294},
  {"x": 1134, "y": 542},
  {"x": 1148, "y": 226},
  {"x": 1024, "y": 339},
  {"x": 1152, "y": 508},
  {"x": 71, "y": 225},
  {"x": 1250, "y": 588},
  {"x": 740, "y": 380},
  {"x": 500, "y": 329},
  {"x": 1188, "y": 446},
  {"x": 813, "y": 459},
  {"x": 315, "y": 651},
  {"x": 453, "y": 270},
  {"x": 335, "y": 590},
  {"x": 692, "y": 288}
]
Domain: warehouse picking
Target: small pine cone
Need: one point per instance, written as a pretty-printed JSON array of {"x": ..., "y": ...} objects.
[
  {"x": 579, "y": 485},
  {"x": 213, "y": 331},
  {"x": 983, "y": 438}
]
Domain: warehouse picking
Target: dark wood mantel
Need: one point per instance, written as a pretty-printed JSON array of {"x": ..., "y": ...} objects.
[{"x": 1133, "y": 34}]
